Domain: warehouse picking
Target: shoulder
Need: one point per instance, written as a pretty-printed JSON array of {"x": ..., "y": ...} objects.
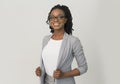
[
  {"x": 75, "y": 41},
  {"x": 46, "y": 37},
  {"x": 73, "y": 38}
]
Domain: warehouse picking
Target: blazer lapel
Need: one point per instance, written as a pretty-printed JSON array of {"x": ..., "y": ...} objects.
[
  {"x": 45, "y": 41},
  {"x": 62, "y": 55}
]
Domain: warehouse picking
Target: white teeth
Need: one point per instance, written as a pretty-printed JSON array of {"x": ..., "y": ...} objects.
[{"x": 56, "y": 24}]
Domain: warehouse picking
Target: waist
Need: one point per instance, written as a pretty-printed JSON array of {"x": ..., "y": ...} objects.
[{"x": 48, "y": 76}]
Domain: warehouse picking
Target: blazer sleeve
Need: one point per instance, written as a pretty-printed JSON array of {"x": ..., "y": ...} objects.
[{"x": 78, "y": 53}]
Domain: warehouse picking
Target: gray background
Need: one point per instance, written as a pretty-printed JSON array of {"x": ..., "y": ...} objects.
[{"x": 22, "y": 27}]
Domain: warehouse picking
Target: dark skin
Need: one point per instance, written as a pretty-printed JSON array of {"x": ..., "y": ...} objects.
[{"x": 58, "y": 25}]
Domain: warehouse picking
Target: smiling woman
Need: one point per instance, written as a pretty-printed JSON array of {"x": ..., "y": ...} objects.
[
  {"x": 59, "y": 49},
  {"x": 62, "y": 12},
  {"x": 57, "y": 20}
]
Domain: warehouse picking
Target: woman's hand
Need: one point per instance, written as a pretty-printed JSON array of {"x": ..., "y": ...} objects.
[
  {"x": 38, "y": 71},
  {"x": 58, "y": 74}
]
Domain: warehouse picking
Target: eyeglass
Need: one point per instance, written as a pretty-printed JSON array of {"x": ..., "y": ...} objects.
[{"x": 56, "y": 17}]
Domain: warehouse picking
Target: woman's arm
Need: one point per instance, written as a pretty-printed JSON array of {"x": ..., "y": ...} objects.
[
  {"x": 59, "y": 74},
  {"x": 78, "y": 53}
]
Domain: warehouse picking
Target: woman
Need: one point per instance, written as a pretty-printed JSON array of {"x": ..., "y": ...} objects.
[{"x": 59, "y": 49}]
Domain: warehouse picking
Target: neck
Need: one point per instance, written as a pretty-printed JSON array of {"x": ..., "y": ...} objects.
[{"x": 57, "y": 35}]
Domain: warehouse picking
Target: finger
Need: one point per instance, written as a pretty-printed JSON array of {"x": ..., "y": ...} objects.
[
  {"x": 38, "y": 69},
  {"x": 57, "y": 71},
  {"x": 38, "y": 74}
]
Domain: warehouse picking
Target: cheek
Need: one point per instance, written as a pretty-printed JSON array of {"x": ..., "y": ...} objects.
[
  {"x": 64, "y": 22},
  {"x": 50, "y": 23}
]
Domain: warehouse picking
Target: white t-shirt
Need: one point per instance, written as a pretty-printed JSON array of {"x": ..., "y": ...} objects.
[{"x": 50, "y": 55}]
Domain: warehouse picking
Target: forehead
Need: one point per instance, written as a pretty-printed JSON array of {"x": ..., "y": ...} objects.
[{"x": 57, "y": 12}]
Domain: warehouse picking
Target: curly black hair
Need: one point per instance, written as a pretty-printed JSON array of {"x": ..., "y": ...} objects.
[{"x": 68, "y": 25}]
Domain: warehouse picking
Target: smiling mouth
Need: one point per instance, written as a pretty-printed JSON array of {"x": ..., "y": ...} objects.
[{"x": 56, "y": 24}]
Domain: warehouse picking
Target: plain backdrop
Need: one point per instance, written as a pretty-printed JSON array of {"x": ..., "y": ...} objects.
[{"x": 23, "y": 26}]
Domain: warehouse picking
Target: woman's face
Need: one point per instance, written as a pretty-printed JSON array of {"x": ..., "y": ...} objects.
[{"x": 57, "y": 19}]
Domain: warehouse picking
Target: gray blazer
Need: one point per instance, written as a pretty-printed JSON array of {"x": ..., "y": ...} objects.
[{"x": 70, "y": 48}]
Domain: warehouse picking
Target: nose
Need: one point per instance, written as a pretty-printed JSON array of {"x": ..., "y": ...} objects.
[{"x": 56, "y": 19}]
